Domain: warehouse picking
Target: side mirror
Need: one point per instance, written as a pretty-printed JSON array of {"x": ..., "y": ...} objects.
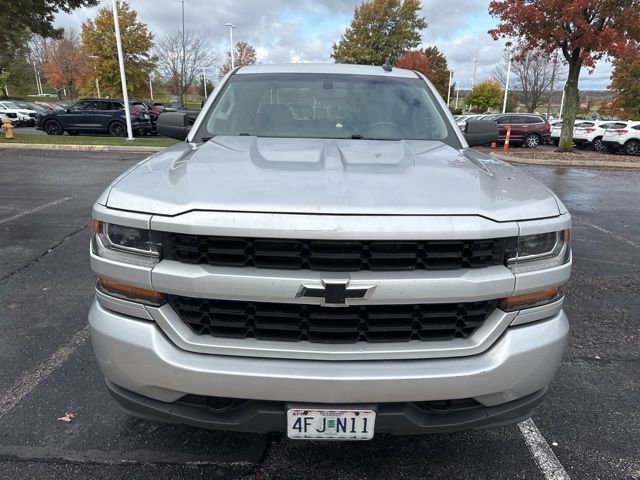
[
  {"x": 480, "y": 132},
  {"x": 174, "y": 124}
]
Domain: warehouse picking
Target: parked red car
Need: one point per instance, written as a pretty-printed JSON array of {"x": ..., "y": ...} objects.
[{"x": 527, "y": 129}]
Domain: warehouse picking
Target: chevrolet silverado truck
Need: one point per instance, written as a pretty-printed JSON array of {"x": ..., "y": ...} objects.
[{"x": 324, "y": 255}]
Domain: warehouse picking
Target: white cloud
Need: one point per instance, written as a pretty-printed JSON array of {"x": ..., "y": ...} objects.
[{"x": 303, "y": 30}]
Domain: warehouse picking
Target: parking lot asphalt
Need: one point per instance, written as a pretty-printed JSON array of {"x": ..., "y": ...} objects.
[{"x": 590, "y": 418}]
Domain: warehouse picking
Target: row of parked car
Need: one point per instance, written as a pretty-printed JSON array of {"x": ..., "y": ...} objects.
[
  {"x": 602, "y": 135},
  {"x": 25, "y": 113},
  {"x": 90, "y": 115},
  {"x": 530, "y": 130}
]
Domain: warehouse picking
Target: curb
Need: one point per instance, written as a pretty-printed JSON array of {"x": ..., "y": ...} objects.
[
  {"x": 566, "y": 163},
  {"x": 79, "y": 148}
]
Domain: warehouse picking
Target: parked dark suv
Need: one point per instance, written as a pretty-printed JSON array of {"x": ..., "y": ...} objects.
[
  {"x": 95, "y": 115},
  {"x": 527, "y": 129}
]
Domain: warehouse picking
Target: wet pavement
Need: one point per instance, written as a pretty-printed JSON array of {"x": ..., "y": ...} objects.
[{"x": 590, "y": 417}]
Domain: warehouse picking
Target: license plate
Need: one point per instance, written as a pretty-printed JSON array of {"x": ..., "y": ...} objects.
[{"x": 306, "y": 424}]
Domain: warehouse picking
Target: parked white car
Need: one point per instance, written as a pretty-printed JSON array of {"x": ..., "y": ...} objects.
[
  {"x": 24, "y": 116},
  {"x": 556, "y": 128},
  {"x": 589, "y": 133},
  {"x": 10, "y": 114},
  {"x": 623, "y": 136}
]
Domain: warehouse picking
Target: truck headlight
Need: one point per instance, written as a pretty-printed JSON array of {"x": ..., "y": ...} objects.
[
  {"x": 540, "y": 251},
  {"x": 120, "y": 243}
]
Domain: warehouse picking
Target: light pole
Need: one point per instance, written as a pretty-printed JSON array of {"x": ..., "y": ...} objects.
[
  {"x": 506, "y": 85},
  {"x": 95, "y": 68},
  {"x": 123, "y": 77},
  {"x": 449, "y": 88},
  {"x": 231, "y": 26},
  {"x": 150, "y": 87},
  {"x": 553, "y": 82},
  {"x": 475, "y": 65},
  {"x": 184, "y": 54},
  {"x": 38, "y": 82},
  {"x": 204, "y": 82}
]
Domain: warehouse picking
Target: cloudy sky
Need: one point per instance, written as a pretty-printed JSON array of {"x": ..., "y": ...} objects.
[{"x": 303, "y": 30}]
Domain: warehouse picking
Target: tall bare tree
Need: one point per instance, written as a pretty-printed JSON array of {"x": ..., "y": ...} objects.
[
  {"x": 532, "y": 75},
  {"x": 179, "y": 70}
]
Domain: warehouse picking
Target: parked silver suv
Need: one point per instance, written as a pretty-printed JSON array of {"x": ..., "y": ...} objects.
[{"x": 325, "y": 256}]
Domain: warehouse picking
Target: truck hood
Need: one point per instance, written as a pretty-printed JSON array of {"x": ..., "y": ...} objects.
[{"x": 326, "y": 176}]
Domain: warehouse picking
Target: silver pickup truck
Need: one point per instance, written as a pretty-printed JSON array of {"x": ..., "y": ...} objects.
[{"x": 325, "y": 256}]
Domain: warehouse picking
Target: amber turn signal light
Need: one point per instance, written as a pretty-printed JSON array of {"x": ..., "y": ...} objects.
[
  {"x": 530, "y": 300},
  {"x": 128, "y": 292}
]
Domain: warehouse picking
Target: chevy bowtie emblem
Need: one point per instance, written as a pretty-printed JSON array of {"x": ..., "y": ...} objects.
[{"x": 335, "y": 293}]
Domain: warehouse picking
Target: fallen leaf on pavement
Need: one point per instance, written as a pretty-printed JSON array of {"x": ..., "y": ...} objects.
[{"x": 67, "y": 417}]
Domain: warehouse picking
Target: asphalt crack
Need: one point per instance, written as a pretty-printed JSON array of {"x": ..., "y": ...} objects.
[{"x": 44, "y": 254}]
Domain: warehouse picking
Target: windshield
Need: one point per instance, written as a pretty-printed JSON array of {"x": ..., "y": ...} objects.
[{"x": 326, "y": 106}]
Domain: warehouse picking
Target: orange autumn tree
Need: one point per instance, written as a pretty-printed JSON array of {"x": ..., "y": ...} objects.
[
  {"x": 66, "y": 64},
  {"x": 244, "y": 54},
  {"x": 431, "y": 63},
  {"x": 583, "y": 30}
]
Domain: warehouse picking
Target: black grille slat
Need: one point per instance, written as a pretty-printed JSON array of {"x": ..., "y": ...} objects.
[
  {"x": 335, "y": 255},
  {"x": 317, "y": 324}
]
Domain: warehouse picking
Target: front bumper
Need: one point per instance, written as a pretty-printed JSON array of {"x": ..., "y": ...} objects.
[
  {"x": 582, "y": 141},
  {"x": 258, "y": 416},
  {"x": 613, "y": 144},
  {"x": 136, "y": 355}
]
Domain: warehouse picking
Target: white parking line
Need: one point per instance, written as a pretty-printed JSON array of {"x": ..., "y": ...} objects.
[
  {"x": 547, "y": 461},
  {"x": 32, "y": 378},
  {"x": 610, "y": 233},
  {"x": 34, "y": 210}
]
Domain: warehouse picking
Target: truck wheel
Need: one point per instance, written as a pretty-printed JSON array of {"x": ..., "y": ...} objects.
[
  {"x": 632, "y": 147},
  {"x": 117, "y": 129},
  {"x": 532, "y": 140},
  {"x": 53, "y": 127},
  {"x": 597, "y": 145}
]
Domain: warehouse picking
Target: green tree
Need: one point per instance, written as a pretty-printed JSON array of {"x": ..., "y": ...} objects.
[
  {"x": 380, "y": 30},
  {"x": 431, "y": 63},
  {"x": 625, "y": 85},
  {"x": 484, "y": 96},
  {"x": 16, "y": 71},
  {"x": 210, "y": 88},
  {"x": 99, "y": 39},
  {"x": 18, "y": 17}
]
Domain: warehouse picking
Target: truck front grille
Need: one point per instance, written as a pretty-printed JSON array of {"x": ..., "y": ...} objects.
[
  {"x": 317, "y": 324},
  {"x": 335, "y": 255}
]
